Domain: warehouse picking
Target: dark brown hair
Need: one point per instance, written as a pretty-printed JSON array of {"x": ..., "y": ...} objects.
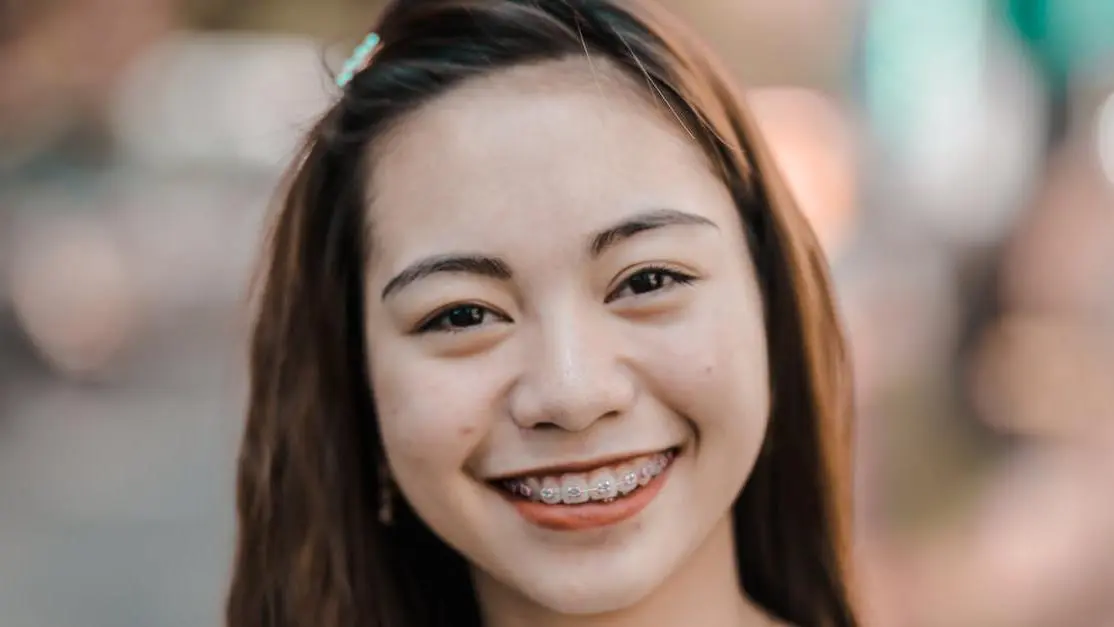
[{"x": 311, "y": 552}]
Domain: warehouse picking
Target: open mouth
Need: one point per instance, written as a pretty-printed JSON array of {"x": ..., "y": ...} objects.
[{"x": 605, "y": 484}]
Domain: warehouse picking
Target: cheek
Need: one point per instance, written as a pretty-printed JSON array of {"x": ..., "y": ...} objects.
[
  {"x": 712, "y": 368},
  {"x": 431, "y": 415}
]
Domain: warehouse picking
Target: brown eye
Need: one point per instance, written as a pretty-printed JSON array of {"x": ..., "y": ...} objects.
[
  {"x": 649, "y": 280},
  {"x": 459, "y": 318}
]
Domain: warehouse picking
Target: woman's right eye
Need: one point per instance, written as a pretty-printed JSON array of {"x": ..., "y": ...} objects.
[{"x": 457, "y": 318}]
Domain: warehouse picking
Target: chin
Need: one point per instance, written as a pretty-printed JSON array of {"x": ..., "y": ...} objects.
[
  {"x": 586, "y": 584},
  {"x": 586, "y": 596}
]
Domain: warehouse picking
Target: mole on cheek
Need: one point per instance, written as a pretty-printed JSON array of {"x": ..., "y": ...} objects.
[{"x": 467, "y": 431}]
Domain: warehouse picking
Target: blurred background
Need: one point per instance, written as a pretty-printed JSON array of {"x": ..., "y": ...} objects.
[{"x": 956, "y": 157}]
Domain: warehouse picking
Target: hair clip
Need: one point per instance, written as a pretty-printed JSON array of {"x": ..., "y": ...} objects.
[{"x": 359, "y": 59}]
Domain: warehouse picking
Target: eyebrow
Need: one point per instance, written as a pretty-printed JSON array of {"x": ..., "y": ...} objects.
[
  {"x": 481, "y": 265},
  {"x": 496, "y": 268},
  {"x": 646, "y": 221}
]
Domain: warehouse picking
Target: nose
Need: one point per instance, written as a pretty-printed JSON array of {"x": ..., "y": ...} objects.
[{"x": 573, "y": 376}]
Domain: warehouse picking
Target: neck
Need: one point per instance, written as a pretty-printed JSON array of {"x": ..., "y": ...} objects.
[{"x": 704, "y": 591}]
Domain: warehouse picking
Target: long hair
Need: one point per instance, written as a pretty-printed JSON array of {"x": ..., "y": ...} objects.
[{"x": 310, "y": 550}]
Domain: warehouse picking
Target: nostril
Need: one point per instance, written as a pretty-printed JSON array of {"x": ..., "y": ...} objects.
[{"x": 554, "y": 426}]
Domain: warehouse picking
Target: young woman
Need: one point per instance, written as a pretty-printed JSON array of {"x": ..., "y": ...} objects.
[{"x": 542, "y": 341}]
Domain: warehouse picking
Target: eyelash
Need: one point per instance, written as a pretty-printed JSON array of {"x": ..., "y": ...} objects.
[
  {"x": 438, "y": 321},
  {"x": 675, "y": 276}
]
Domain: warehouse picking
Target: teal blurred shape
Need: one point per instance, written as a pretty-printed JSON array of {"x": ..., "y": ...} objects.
[
  {"x": 915, "y": 50},
  {"x": 1064, "y": 35}
]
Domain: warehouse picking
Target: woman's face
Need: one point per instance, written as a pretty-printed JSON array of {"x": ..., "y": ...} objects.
[{"x": 565, "y": 334}]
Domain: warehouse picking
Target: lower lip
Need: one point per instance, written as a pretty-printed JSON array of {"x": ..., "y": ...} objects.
[{"x": 591, "y": 515}]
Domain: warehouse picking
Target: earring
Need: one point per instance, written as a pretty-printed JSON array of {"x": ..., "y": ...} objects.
[{"x": 386, "y": 496}]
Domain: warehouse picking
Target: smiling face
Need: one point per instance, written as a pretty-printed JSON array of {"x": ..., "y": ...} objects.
[{"x": 559, "y": 300}]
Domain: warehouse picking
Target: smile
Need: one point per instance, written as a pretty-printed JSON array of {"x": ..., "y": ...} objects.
[
  {"x": 590, "y": 498},
  {"x": 605, "y": 483}
]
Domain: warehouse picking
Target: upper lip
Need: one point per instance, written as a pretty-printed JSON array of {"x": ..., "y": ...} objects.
[{"x": 578, "y": 466}]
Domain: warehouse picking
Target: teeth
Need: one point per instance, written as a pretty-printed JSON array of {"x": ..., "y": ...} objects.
[
  {"x": 534, "y": 485},
  {"x": 551, "y": 491},
  {"x": 574, "y": 489},
  {"x": 627, "y": 478},
  {"x": 645, "y": 471},
  {"x": 604, "y": 484}
]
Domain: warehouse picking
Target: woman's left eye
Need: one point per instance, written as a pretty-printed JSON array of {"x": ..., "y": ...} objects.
[{"x": 649, "y": 280}]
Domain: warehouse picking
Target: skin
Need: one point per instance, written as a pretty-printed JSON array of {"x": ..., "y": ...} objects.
[{"x": 571, "y": 359}]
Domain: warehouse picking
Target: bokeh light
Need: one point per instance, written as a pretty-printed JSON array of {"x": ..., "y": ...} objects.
[
  {"x": 960, "y": 126},
  {"x": 75, "y": 295},
  {"x": 244, "y": 100},
  {"x": 1105, "y": 137},
  {"x": 814, "y": 145}
]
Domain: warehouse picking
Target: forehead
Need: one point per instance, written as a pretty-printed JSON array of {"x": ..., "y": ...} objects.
[{"x": 554, "y": 150}]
